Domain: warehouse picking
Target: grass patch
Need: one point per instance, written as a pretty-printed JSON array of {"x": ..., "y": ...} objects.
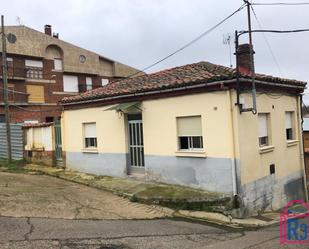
[{"x": 16, "y": 166}]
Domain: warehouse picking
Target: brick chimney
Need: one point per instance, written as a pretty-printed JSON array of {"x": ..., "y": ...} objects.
[
  {"x": 48, "y": 29},
  {"x": 244, "y": 59}
]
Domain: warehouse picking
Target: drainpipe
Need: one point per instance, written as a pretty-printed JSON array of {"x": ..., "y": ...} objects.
[
  {"x": 234, "y": 162},
  {"x": 302, "y": 148}
]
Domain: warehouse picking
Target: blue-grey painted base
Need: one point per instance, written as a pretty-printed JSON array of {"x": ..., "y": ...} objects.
[
  {"x": 270, "y": 193},
  {"x": 212, "y": 174},
  {"x": 111, "y": 164}
]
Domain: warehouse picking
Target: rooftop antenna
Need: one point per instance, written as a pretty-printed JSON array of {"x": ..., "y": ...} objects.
[
  {"x": 227, "y": 41},
  {"x": 18, "y": 20}
]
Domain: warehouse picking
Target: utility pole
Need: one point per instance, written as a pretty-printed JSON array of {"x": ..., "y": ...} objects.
[
  {"x": 5, "y": 92},
  {"x": 254, "y": 110}
]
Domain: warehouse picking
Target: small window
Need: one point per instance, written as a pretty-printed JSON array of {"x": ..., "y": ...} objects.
[
  {"x": 11, "y": 91},
  {"x": 34, "y": 63},
  {"x": 88, "y": 83},
  {"x": 263, "y": 129},
  {"x": 289, "y": 126},
  {"x": 9, "y": 62},
  {"x": 58, "y": 64},
  {"x": 82, "y": 58},
  {"x": 190, "y": 133},
  {"x": 70, "y": 83},
  {"x": 104, "y": 82},
  {"x": 2, "y": 118},
  {"x": 90, "y": 138}
]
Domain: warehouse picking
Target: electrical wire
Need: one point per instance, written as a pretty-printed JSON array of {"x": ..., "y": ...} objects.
[
  {"x": 267, "y": 42},
  {"x": 31, "y": 110},
  {"x": 189, "y": 43},
  {"x": 264, "y": 4}
]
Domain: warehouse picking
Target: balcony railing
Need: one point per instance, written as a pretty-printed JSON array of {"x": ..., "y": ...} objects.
[
  {"x": 34, "y": 72},
  {"x": 13, "y": 72},
  {"x": 28, "y": 72}
]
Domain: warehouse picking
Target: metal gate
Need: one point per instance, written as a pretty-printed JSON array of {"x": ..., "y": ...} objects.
[
  {"x": 136, "y": 145},
  {"x": 17, "y": 141},
  {"x": 58, "y": 142}
]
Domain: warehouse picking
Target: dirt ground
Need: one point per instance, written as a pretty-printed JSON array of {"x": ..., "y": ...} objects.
[{"x": 25, "y": 195}]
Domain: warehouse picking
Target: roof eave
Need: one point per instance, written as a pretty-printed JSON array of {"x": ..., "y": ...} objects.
[{"x": 188, "y": 87}]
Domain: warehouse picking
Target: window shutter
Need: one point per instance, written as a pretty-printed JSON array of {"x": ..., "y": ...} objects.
[
  {"x": 189, "y": 126},
  {"x": 57, "y": 64},
  {"x": 89, "y": 83},
  {"x": 90, "y": 130},
  {"x": 288, "y": 120},
  {"x": 104, "y": 82},
  {"x": 36, "y": 93},
  {"x": 34, "y": 63},
  {"x": 70, "y": 83},
  {"x": 263, "y": 125}
]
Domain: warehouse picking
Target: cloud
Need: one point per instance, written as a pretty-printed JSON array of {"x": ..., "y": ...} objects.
[{"x": 138, "y": 32}]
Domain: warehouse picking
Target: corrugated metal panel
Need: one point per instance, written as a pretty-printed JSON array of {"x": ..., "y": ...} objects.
[
  {"x": 306, "y": 124},
  {"x": 16, "y": 140}
]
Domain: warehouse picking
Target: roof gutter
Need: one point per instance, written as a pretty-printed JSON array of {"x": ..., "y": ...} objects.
[{"x": 175, "y": 90}]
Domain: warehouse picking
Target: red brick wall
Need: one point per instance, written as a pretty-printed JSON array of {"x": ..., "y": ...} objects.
[
  {"x": 18, "y": 115},
  {"x": 52, "y": 86}
]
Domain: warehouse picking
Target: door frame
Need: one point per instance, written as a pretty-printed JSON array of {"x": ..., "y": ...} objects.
[{"x": 138, "y": 149}]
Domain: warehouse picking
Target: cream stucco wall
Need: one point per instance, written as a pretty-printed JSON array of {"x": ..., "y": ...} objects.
[
  {"x": 160, "y": 128},
  {"x": 253, "y": 162},
  {"x": 159, "y": 121},
  {"x": 110, "y": 130}
]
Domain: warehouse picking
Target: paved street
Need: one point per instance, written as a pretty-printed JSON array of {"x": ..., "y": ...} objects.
[
  {"x": 47, "y": 212},
  {"x": 128, "y": 234},
  {"x": 24, "y": 195}
]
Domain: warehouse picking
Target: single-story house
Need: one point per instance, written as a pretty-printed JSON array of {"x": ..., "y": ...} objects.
[{"x": 187, "y": 126}]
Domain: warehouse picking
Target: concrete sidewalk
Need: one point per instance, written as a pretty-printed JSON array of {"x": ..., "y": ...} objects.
[{"x": 183, "y": 200}]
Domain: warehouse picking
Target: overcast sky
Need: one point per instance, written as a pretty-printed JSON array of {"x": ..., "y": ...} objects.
[{"x": 140, "y": 32}]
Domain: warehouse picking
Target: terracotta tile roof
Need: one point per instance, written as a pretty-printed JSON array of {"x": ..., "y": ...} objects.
[{"x": 191, "y": 74}]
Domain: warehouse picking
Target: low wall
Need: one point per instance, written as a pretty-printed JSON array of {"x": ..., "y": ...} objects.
[{"x": 39, "y": 146}]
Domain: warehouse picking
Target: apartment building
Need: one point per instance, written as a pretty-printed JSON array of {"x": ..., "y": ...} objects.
[{"x": 43, "y": 69}]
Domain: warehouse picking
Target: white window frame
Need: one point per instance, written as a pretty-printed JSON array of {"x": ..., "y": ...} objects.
[
  {"x": 34, "y": 63},
  {"x": 9, "y": 60},
  {"x": 104, "y": 81},
  {"x": 58, "y": 65},
  {"x": 264, "y": 129},
  {"x": 190, "y": 136},
  {"x": 91, "y": 137},
  {"x": 289, "y": 125},
  {"x": 70, "y": 83},
  {"x": 89, "y": 83}
]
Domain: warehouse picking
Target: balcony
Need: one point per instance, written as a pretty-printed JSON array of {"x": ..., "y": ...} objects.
[
  {"x": 14, "y": 73},
  {"x": 34, "y": 72}
]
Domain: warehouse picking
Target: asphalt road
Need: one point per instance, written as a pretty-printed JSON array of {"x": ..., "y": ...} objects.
[
  {"x": 42, "y": 212},
  {"x": 43, "y": 233}
]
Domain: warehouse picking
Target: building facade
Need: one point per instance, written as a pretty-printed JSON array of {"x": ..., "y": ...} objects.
[
  {"x": 182, "y": 126},
  {"x": 43, "y": 69}
]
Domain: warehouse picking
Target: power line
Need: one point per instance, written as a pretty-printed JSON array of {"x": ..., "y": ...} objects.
[
  {"x": 31, "y": 110},
  {"x": 189, "y": 43},
  {"x": 267, "y": 42},
  {"x": 304, "y": 3}
]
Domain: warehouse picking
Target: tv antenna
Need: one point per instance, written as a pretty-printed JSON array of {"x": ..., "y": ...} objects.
[
  {"x": 227, "y": 41},
  {"x": 18, "y": 20}
]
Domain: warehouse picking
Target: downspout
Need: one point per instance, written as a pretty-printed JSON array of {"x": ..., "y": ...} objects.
[
  {"x": 302, "y": 148},
  {"x": 234, "y": 162}
]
